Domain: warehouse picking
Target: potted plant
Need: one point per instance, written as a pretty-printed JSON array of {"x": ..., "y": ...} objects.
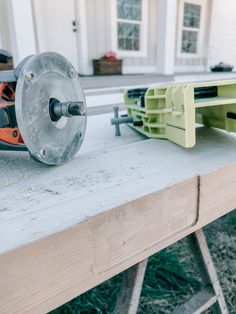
[
  {"x": 108, "y": 64},
  {"x": 222, "y": 67}
]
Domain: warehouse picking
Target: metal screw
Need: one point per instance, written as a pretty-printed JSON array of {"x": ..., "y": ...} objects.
[
  {"x": 43, "y": 152},
  {"x": 72, "y": 73},
  {"x": 14, "y": 133},
  {"x": 29, "y": 75}
]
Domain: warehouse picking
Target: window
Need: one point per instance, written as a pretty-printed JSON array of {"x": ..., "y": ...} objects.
[
  {"x": 129, "y": 14},
  {"x": 191, "y": 28},
  {"x": 130, "y": 26},
  {"x": 128, "y": 36}
]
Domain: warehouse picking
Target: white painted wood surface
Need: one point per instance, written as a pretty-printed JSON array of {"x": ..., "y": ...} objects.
[
  {"x": 37, "y": 201},
  {"x": 65, "y": 229},
  {"x": 30, "y": 192}
]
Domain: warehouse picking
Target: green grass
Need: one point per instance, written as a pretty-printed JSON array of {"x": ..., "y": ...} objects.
[{"x": 171, "y": 277}]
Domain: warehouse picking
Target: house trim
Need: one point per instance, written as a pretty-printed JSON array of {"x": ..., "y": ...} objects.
[
  {"x": 211, "y": 31},
  {"x": 186, "y": 69},
  {"x": 166, "y": 36},
  {"x": 131, "y": 70},
  {"x": 82, "y": 38},
  {"x": 39, "y": 25},
  {"x": 138, "y": 69}
]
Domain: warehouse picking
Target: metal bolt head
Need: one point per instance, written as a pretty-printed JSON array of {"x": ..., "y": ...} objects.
[
  {"x": 15, "y": 133},
  {"x": 29, "y": 75},
  {"x": 72, "y": 73},
  {"x": 43, "y": 152}
]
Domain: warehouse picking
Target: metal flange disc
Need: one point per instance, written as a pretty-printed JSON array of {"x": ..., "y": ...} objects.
[{"x": 44, "y": 77}]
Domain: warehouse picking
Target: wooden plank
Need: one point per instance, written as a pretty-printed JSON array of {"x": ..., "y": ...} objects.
[
  {"x": 218, "y": 190},
  {"x": 199, "y": 303},
  {"x": 131, "y": 287},
  {"x": 78, "y": 225},
  {"x": 138, "y": 225},
  {"x": 46, "y": 273},
  {"x": 99, "y": 179}
]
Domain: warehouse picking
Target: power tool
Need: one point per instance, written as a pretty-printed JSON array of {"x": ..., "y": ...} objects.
[
  {"x": 172, "y": 111},
  {"x": 42, "y": 109}
]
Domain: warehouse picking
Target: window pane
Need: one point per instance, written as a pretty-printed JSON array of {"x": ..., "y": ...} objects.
[
  {"x": 129, "y": 9},
  {"x": 192, "y": 15},
  {"x": 189, "y": 42},
  {"x": 128, "y": 36}
]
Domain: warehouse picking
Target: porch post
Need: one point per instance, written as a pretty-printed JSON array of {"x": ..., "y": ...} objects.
[
  {"x": 82, "y": 38},
  {"x": 21, "y": 28},
  {"x": 166, "y": 34}
]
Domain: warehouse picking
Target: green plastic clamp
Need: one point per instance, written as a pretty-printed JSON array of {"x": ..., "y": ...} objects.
[{"x": 171, "y": 112}]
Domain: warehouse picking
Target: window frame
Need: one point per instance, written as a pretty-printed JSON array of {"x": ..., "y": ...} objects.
[
  {"x": 142, "y": 52},
  {"x": 181, "y": 28}
]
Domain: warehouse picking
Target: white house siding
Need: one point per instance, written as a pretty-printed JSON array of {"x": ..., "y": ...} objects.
[
  {"x": 197, "y": 63},
  {"x": 2, "y": 24},
  {"x": 98, "y": 28},
  {"x": 99, "y": 32},
  {"x": 148, "y": 63},
  {"x": 4, "y": 30},
  {"x": 223, "y": 35}
]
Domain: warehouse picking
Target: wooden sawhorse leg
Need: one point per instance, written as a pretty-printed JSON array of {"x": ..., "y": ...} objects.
[
  {"x": 211, "y": 296},
  {"x": 131, "y": 287}
]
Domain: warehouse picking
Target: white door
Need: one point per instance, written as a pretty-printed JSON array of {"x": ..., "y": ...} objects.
[{"x": 55, "y": 23}]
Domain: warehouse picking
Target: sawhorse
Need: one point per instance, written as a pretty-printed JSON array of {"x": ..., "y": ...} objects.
[{"x": 211, "y": 295}]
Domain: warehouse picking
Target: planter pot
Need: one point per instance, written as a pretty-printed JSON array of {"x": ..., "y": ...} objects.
[
  {"x": 6, "y": 66},
  {"x": 221, "y": 69},
  {"x": 107, "y": 67}
]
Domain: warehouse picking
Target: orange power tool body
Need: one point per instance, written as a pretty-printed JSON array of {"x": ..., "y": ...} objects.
[{"x": 9, "y": 131}]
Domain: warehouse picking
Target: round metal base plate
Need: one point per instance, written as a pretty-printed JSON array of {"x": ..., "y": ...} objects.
[{"x": 43, "y": 77}]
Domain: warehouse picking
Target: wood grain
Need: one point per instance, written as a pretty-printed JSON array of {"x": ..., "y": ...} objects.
[
  {"x": 45, "y": 274},
  {"x": 65, "y": 230}
]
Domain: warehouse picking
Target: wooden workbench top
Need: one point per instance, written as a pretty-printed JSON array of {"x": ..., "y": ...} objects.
[{"x": 65, "y": 229}]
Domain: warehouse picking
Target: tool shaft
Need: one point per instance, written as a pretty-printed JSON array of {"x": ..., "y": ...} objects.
[{"x": 65, "y": 109}]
